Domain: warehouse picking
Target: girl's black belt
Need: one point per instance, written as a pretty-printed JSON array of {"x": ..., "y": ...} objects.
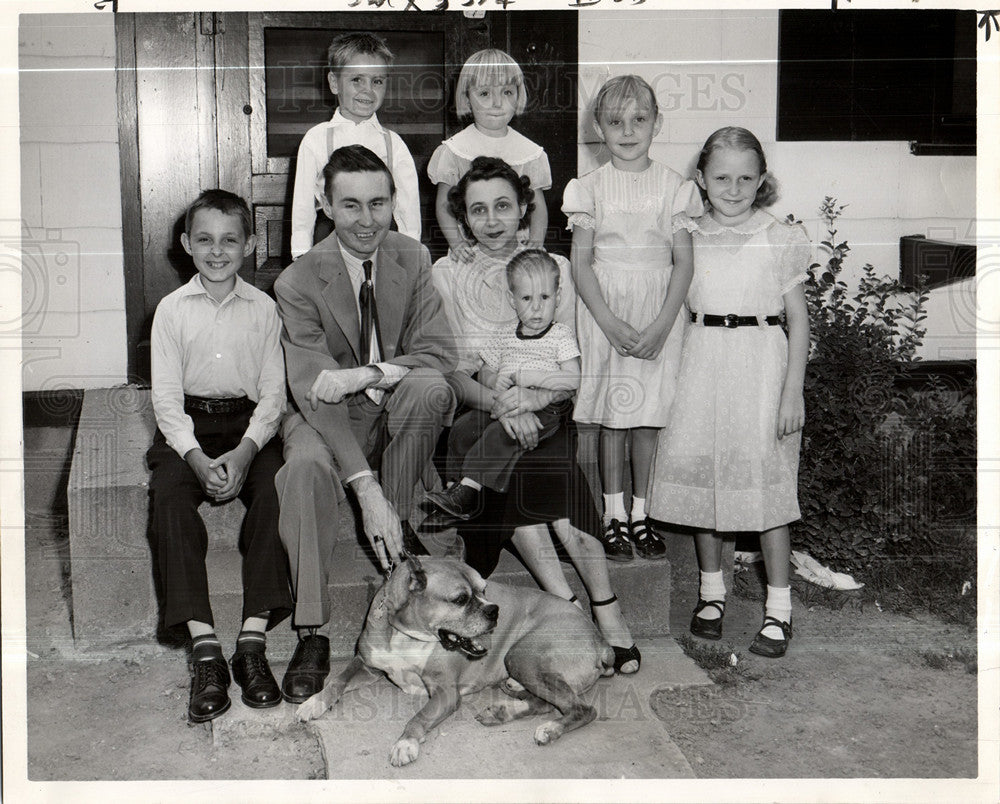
[{"x": 732, "y": 320}]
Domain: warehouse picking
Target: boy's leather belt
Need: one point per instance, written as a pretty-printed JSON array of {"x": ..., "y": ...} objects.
[
  {"x": 732, "y": 321},
  {"x": 220, "y": 406}
]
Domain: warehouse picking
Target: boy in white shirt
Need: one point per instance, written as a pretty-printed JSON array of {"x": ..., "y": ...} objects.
[
  {"x": 218, "y": 380},
  {"x": 359, "y": 66}
]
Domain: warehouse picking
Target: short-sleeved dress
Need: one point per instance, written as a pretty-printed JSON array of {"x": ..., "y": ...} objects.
[
  {"x": 453, "y": 157},
  {"x": 719, "y": 463},
  {"x": 632, "y": 218},
  {"x": 547, "y": 484}
]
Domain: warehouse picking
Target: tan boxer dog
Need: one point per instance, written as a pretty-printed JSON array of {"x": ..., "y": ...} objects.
[{"x": 430, "y": 628}]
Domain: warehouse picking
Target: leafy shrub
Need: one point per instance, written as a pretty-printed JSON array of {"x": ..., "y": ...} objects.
[{"x": 887, "y": 470}]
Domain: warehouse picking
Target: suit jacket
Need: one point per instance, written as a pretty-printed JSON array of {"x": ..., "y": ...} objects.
[{"x": 321, "y": 329}]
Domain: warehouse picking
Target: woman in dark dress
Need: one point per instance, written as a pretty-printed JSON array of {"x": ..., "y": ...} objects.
[{"x": 547, "y": 488}]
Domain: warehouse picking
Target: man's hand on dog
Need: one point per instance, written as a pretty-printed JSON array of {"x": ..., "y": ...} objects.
[{"x": 380, "y": 520}]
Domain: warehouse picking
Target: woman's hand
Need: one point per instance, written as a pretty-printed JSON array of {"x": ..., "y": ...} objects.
[
  {"x": 650, "y": 342},
  {"x": 463, "y": 251},
  {"x": 622, "y": 335},
  {"x": 791, "y": 413},
  {"x": 523, "y": 428}
]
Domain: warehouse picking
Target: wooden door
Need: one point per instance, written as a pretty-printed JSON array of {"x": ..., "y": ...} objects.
[
  {"x": 222, "y": 100},
  {"x": 177, "y": 137}
]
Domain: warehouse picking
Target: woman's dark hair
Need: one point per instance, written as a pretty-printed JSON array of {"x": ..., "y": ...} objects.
[
  {"x": 739, "y": 139},
  {"x": 485, "y": 168}
]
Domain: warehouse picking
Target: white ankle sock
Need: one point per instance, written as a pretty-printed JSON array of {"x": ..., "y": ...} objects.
[
  {"x": 779, "y": 606},
  {"x": 711, "y": 587},
  {"x": 638, "y": 508},
  {"x": 614, "y": 507},
  {"x": 472, "y": 484}
]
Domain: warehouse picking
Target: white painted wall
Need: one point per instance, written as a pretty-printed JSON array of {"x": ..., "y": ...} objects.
[
  {"x": 73, "y": 286},
  {"x": 716, "y": 68},
  {"x": 710, "y": 69}
]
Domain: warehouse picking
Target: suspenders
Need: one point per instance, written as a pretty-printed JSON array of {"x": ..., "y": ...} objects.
[{"x": 385, "y": 135}]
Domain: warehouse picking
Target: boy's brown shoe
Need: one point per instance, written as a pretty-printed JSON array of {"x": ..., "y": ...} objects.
[
  {"x": 252, "y": 672},
  {"x": 209, "y": 685}
]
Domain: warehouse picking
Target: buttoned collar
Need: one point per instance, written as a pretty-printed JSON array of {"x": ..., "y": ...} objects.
[
  {"x": 197, "y": 288},
  {"x": 339, "y": 120}
]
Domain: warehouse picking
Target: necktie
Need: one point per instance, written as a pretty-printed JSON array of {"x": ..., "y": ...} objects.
[{"x": 366, "y": 303}]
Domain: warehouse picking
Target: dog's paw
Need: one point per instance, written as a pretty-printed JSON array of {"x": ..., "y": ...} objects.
[
  {"x": 549, "y": 732},
  {"x": 404, "y": 752},
  {"x": 313, "y": 707},
  {"x": 514, "y": 689}
]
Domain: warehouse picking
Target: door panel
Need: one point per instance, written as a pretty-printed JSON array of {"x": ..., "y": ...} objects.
[{"x": 289, "y": 94}]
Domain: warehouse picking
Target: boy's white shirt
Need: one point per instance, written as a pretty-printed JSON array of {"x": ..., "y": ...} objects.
[
  {"x": 313, "y": 156},
  {"x": 188, "y": 357}
]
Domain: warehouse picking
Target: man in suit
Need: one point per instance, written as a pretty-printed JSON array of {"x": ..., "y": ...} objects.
[{"x": 366, "y": 345}]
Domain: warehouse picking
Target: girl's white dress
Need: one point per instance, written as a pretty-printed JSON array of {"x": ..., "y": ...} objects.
[
  {"x": 632, "y": 218},
  {"x": 719, "y": 463},
  {"x": 453, "y": 157}
]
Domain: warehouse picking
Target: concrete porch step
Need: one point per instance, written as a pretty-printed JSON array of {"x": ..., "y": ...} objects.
[
  {"x": 643, "y": 587},
  {"x": 113, "y": 596},
  {"x": 626, "y": 741}
]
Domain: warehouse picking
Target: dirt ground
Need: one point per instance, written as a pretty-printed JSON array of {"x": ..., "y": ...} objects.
[{"x": 861, "y": 693}]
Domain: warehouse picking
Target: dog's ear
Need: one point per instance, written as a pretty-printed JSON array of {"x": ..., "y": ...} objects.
[
  {"x": 408, "y": 578},
  {"x": 418, "y": 578}
]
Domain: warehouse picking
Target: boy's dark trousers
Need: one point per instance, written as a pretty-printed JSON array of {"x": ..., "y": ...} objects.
[
  {"x": 480, "y": 449},
  {"x": 181, "y": 541}
]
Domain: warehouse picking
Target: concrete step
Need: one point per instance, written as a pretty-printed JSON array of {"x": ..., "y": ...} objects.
[
  {"x": 627, "y": 741},
  {"x": 643, "y": 587},
  {"x": 113, "y": 594}
]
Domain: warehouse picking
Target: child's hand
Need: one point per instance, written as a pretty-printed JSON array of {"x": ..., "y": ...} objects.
[
  {"x": 463, "y": 252},
  {"x": 650, "y": 342},
  {"x": 212, "y": 479},
  {"x": 623, "y": 336},
  {"x": 505, "y": 381},
  {"x": 791, "y": 413},
  {"x": 234, "y": 465}
]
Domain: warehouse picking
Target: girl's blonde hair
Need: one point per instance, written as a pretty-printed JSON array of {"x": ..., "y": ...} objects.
[
  {"x": 739, "y": 139},
  {"x": 488, "y": 68},
  {"x": 616, "y": 91}
]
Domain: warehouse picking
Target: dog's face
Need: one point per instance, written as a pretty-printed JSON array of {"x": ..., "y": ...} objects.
[{"x": 441, "y": 599}]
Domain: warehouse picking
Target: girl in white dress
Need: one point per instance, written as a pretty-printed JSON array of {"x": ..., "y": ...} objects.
[
  {"x": 632, "y": 272},
  {"x": 728, "y": 459},
  {"x": 491, "y": 90}
]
